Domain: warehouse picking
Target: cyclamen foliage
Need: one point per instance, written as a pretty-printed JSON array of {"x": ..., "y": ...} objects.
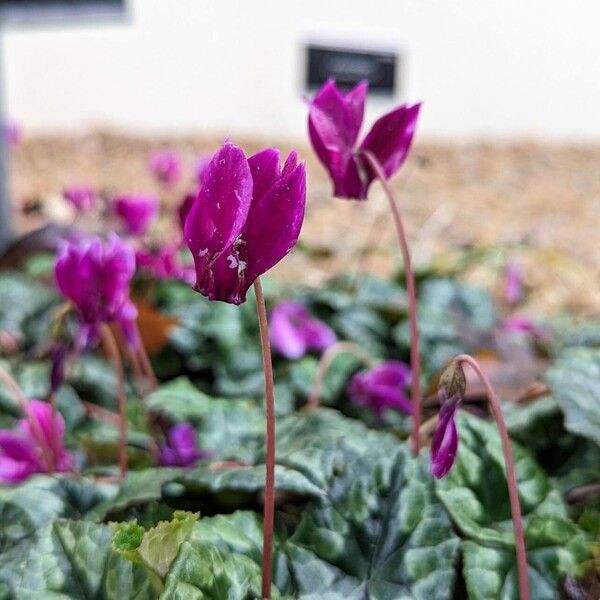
[
  {"x": 334, "y": 123},
  {"x": 412, "y": 535},
  {"x": 246, "y": 217}
]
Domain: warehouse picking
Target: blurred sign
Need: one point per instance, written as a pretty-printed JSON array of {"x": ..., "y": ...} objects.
[
  {"x": 349, "y": 66},
  {"x": 28, "y": 11}
]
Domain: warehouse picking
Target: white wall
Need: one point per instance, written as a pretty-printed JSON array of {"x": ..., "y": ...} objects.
[{"x": 485, "y": 68}]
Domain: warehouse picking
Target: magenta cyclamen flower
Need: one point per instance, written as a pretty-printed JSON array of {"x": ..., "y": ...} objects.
[
  {"x": 334, "y": 122},
  {"x": 136, "y": 212},
  {"x": 164, "y": 263},
  {"x": 513, "y": 283},
  {"x": 25, "y": 451},
  {"x": 96, "y": 277},
  {"x": 444, "y": 444},
  {"x": 294, "y": 331},
  {"x": 246, "y": 218},
  {"x": 166, "y": 166},
  {"x": 82, "y": 197},
  {"x": 382, "y": 387},
  {"x": 181, "y": 447}
]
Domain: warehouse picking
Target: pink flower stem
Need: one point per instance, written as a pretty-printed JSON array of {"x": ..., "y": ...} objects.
[
  {"x": 112, "y": 349},
  {"x": 55, "y": 448},
  {"x": 145, "y": 361},
  {"x": 36, "y": 429},
  {"x": 142, "y": 383},
  {"x": 325, "y": 363},
  {"x": 269, "y": 510},
  {"x": 511, "y": 478},
  {"x": 415, "y": 363}
]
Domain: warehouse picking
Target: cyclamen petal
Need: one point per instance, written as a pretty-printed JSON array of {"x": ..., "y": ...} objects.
[
  {"x": 390, "y": 139},
  {"x": 216, "y": 217},
  {"x": 444, "y": 444},
  {"x": 246, "y": 218},
  {"x": 333, "y": 125}
]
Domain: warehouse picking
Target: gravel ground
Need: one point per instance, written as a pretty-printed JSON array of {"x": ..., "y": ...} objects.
[{"x": 534, "y": 203}]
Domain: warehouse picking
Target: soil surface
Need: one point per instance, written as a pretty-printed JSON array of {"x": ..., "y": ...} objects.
[{"x": 536, "y": 204}]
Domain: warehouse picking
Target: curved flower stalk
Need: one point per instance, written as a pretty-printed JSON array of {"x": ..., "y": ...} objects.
[
  {"x": 444, "y": 447},
  {"x": 136, "y": 213},
  {"x": 334, "y": 123},
  {"x": 382, "y": 387},
  {"x": 246, "y": 217},
  {"x": 166, "y": 166},
  {"x": 294, "y": 331},
  {"x": 96, "y": 278}
]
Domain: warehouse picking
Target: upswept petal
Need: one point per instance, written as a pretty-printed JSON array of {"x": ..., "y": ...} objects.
[
  {"x": 390, "y": 139},
  {"x": 355, "y": 99},
  {"x": 335, "y": 118},
  {"x": 220, "y": 209},
  {"x": 274, "y": 221},
  {"x": 265, "y": 167}
]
